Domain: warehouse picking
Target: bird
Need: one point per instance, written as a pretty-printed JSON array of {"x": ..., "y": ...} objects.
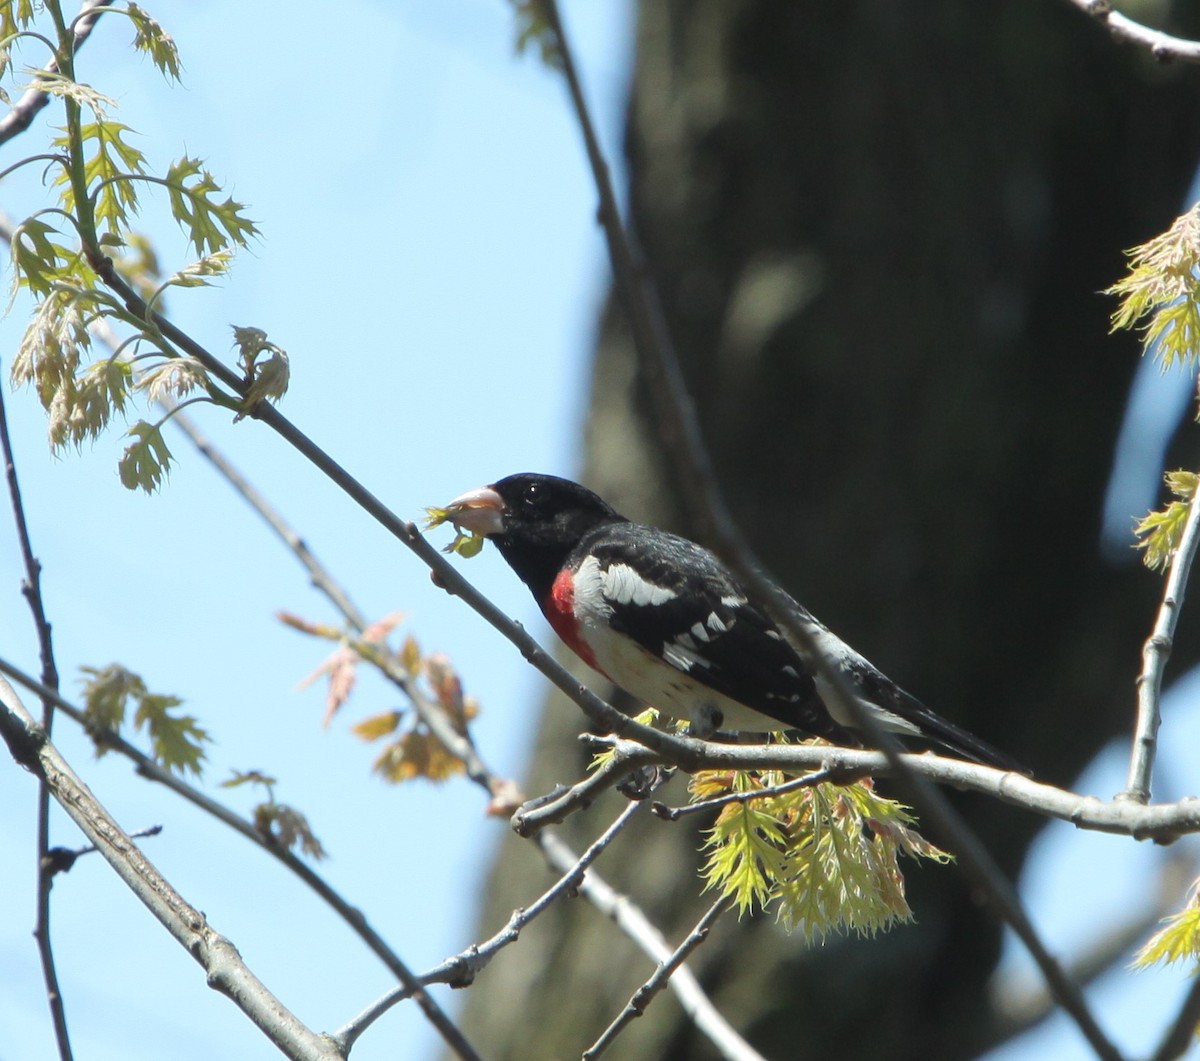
[{"x": 663, "y": 618}]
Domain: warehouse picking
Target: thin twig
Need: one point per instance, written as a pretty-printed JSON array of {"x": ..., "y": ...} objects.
[
  {"x": 1155, "y": 654},
  {"x": 658, "y": 358},
  {"x": 647, "y": 992},
  {"x": 1182, "y": 1032},
  {"x": 817, "y": 777},
  {"x": 31, "y": 589},
  {"x": 462, "y": 968},
  {"x": 224, "y": 968},
  {"x": 634, "y": 923},
  {"x": 1160, "y": 45},
  {"x": 352, "y": 915},
  {"x": 557, "y": 806}
]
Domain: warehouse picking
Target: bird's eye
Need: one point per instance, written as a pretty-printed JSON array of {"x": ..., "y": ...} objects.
[{"x": 533, "y": 494}]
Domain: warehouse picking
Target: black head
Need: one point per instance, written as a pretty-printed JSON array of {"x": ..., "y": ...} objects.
[{"x": 544, "y": 519}]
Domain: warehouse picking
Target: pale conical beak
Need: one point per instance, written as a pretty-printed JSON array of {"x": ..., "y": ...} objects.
[{"x": 480, "y": 511}]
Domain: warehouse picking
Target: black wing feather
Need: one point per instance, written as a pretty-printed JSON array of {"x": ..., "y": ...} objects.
[{"x": 745, "y": 656}]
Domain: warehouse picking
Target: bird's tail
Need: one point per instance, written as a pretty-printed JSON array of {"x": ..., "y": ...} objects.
[{"x": 958, "y": 740}]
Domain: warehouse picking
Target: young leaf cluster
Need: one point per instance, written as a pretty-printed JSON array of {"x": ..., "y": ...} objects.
[
  {"x": 826, "y": 855},
  {"x": 65, "y": 254},
  {"x": 278, "y": 823},
  {"x": 176, "y": 741},
  {"x": 410, "y": 749},
  {"x": 1179, "y": 938},
  {"x": 1159, "y": 532},
  {"x": 1161, "y": 292}
]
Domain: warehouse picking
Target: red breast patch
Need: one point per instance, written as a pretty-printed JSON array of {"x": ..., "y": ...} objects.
[{"x": 559, "y": 610}]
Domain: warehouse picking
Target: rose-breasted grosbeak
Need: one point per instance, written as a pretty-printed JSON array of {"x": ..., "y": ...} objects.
[{"x": 665, "y": 620}]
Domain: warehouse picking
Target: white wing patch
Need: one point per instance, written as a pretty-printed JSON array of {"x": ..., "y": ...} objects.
[
  {"x": 683, "y": 653},
  {"x": 623, "y": 585}
]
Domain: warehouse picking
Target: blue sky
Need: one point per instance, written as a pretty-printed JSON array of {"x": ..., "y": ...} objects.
[{"x": 430, "y": 260}]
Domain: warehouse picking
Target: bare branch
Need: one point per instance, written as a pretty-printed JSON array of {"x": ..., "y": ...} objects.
[
  {"x": 461, "y": 970},
  {"x": 535, "y": 815},
  {"x": 634, "y": 923},
  {"x": 1182, "y": 1031},
  {"x": 223, "y": 966},
  {"x": 647, "y": 992},
  {"x": 1160, "y": 45},
  {"x": 352, "y": 915},
  {"x": 1155, "y": 654},
  {"x": 31, "y": 589}
]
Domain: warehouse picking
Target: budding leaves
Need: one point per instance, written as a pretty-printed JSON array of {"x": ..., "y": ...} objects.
[
  {"x": 152, "y": 40},
  {"x": 827, "y": 856},
  {"x": 466, "y": 543},
  {"x": 146, "y": 460},
  {"x": 1179, "y": 938},
  {"x": 176, "y": 741},
  {"x": 71, "y": 257},
  {"x": 278, "y": 823},
  {"x": 1161, "y": 292},
  {"x": 211, "y": 224},
  {"x": 410, "y": 747}
]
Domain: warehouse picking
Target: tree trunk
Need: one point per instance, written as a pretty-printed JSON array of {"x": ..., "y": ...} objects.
[{"x": 879, "y": 230}]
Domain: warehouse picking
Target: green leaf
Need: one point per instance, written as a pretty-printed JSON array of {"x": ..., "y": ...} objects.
[
  {"x": 147, "y": 460},
  {"x": 1178, "y": 940},
  {"x": 107, "y": 172},
  {"x": 14, "y": 16},
  {"x": 55, "y": 84},
  {"x": 154, "y": 41},
  {"x": 267, "y": 378},
  {"x": 82, "y": 407},
  {"x": 1159, "y": 533},
  {"x": 201, "y": 272},
  {"x": 39, "y": 261},
  {"x": 826, "y": 855},
  {"x": 288, "y": 828},
  {"x": 248, "y": 777},
  {"x": 209, "y": 224},
  {"x": 106, "y": 697},
  {"x": 176, "y": 741},
  {"x": 1161, "y": 291},
  {"x": 534, "y": 30}
]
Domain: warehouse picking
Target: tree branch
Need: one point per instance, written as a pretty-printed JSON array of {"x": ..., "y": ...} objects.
[
  {"x": 461, "y": 970},
  {"x": 1155, "y": 654},
  {"x": 31, "y": 589},
  {"x": 662, "y": 975},
  {"x": 1122, "y": 28},
  {"x": 634, "y": 923},
  {"x": 225, "y": 970},
  {"x": 352, "y": 915},
  {"x": 1182, "y": 1031}
]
